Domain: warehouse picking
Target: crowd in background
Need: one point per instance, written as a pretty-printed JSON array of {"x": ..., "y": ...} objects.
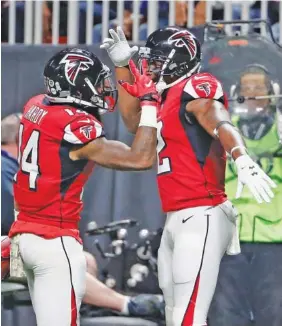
[{"x": 181, "y": 17}]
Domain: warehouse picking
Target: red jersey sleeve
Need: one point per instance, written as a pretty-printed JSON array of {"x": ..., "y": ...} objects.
[
  {"x": 204, "y": 85},
  {"x": 83, "y": 129}
]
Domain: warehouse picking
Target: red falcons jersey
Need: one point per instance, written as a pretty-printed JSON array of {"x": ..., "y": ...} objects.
[
  {"x": 48, "y": 186},
  {"x": 191, "y": 164}
]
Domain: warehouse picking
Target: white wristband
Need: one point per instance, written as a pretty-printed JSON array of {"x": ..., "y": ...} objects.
[{"x": 148, "y": 116}]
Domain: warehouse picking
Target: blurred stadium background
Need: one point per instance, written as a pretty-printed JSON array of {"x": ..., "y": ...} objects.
[{"x": 33, "y": 30}]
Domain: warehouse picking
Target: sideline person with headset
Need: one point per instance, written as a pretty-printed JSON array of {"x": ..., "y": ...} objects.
[{"x": 249, "y": 289}]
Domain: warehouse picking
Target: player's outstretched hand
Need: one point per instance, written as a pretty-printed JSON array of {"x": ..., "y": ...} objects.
[
  {"x": 258, "y": 182},
  {"x": 143, "y": 87},
  {"x": 118, "y": 48}
]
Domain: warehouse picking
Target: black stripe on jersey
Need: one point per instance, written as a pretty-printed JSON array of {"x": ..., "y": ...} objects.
[
  {"x": 70, "y": 170},
  {"x": 199, "y": 139}
]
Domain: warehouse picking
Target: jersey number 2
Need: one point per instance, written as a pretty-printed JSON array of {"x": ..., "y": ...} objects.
[
  {"x": 164, "y": 165},
  {"x": 28, "y": 158}
]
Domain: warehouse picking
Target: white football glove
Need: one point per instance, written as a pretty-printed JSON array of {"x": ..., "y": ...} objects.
[
  {"x": 258, "y": 182},
  {"x": 118, "y": 48}
]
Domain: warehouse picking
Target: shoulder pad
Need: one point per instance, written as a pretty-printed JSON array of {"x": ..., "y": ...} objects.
[
  {"x": 204, "y": 85},
  {"x": 82, "y": 128}
]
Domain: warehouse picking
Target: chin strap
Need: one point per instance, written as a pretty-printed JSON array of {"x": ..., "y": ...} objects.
[
  {"x": 161, "y": 85},
  {"x": 73, "y": 100}
]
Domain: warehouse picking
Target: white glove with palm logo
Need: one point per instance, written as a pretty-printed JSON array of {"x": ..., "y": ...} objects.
[
  {"x": 258, "y": 182},
  {"x": 118, "y": 48}
]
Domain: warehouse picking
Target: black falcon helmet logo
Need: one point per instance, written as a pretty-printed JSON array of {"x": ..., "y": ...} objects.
[{"x": 74, "y": 63}]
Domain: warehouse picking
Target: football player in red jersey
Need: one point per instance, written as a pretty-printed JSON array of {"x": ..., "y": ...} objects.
[
  {"x": 60, "y": 138},
  {"x": 194, "y": 132}
]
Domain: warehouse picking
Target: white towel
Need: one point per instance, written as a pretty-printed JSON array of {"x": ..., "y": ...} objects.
[
  {"x": 16, "y": 263},
  {"x": 234, "y": 245}
]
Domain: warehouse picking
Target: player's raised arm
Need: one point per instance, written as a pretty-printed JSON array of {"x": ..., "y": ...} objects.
[
  {"x": 120, "y": 53},
  {"x": 142, "y": 154},
  {"x": 215, "y": 119}
]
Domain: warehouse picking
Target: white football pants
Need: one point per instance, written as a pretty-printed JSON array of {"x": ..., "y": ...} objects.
[
  {"x": 192, "y": 245},
  {"x": 56, "y": 274}
]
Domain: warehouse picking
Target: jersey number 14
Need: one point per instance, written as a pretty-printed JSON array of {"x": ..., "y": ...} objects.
[{"x": 28, "y": 157}]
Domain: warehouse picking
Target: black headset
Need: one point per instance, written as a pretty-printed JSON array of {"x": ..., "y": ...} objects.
[{"x": 274, "y": 86}]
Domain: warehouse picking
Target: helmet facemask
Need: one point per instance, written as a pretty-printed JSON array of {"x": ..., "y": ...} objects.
[
  {"x": 105, "y": 94},
  {"x": 163, "y": 66}
]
